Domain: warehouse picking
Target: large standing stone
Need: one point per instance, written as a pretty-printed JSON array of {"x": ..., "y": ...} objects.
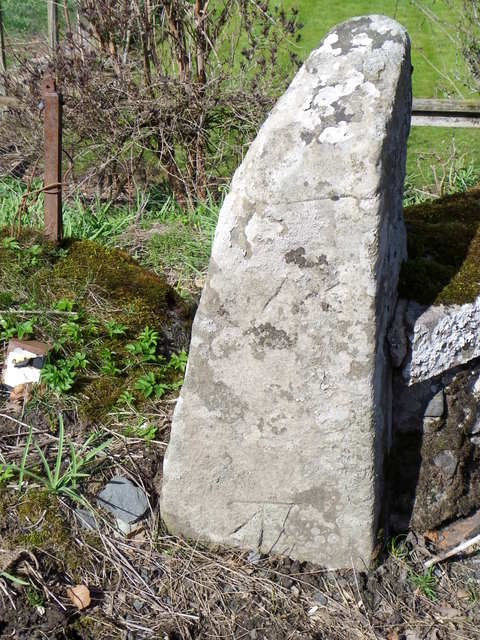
[{"x": 278, "y": 437}]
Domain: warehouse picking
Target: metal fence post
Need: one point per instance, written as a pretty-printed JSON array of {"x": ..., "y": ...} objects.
[{"x": 52, "y": 132}]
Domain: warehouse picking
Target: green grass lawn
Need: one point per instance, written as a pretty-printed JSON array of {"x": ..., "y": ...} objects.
[
  {"x": 437, "y": 63},
  {"x": 25, "y": 17}
]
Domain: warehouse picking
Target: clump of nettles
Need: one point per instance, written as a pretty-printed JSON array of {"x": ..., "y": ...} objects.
[
  {"x": 117, "y": 334},
  {"x": 443, "y": 238}
]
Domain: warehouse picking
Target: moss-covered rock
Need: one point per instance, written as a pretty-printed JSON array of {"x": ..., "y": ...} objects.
[
  {"x": 443, "y": 238},
  {"x": 129, "y": 294},
  {"x": 107, "y": 301}
]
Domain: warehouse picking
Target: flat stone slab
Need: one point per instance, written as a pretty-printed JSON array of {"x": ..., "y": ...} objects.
[
  {"x": 278, "y": 437},
  {"x": 441, "y": 338},
  {"x": 123, "y": 499}
]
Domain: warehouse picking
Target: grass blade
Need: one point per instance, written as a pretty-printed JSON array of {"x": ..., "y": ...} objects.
[
  {"x": 14, "y": 579},
  {"x": 50, "y": 483},
  {"x": 24, "y": 459},
  {"x": 58, "y": 461},
  {"x": 73, "y": 467}
]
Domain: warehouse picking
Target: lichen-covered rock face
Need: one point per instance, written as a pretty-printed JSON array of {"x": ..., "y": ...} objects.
[
  {"x": 278, "y": 437},
  {"x": 428, "y": 341},
  {"x": 441, "y": 339}
]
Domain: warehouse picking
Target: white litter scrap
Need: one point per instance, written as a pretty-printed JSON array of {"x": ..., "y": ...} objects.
[{"x": 23, "y": 363}]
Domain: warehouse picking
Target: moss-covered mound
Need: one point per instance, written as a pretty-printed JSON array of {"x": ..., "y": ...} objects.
[
  {"x": 130, "y": 294},
  {"x": 443, "y": 264},
  {"x": 113, "y": 326}
]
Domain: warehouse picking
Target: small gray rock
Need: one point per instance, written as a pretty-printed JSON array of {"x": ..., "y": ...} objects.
[
  {"x": 138, "y": 604},
  {"x": 436, "y": 406},
  {"x": 123, "y": 499},
  {"x": 447, "y": 461},
  {"x": 254, "y": 557},
  {"x": 475, "y": 441},
  {"x": 319, "y": 598}
]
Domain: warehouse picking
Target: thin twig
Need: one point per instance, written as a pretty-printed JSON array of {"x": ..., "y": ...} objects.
[{"x": 452, "y": 552}]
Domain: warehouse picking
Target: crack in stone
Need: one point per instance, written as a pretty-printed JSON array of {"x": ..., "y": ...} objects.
[
  {"x": 282, "y": 530},
  {"x": 260, "y": 535},
  {"x": 244, "y": 524},
  {"x": 321, "y": 199},
  {"x": 275, "y": 294}
]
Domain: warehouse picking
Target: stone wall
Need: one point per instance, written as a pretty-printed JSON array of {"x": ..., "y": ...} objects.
[
  {"x": 279, "y": 435},
  {"x": 435, "y": 457}
]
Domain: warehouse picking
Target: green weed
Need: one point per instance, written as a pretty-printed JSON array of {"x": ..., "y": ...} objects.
[
  {"x": 143, "y": 429},
  {"x": 34, "y": 597},
  {"x": 64, "y": 304},
  {"x": 425, "y": 582},
  {"x": 126, "y": 398},
  {"x": 150, "y": 386},
  {"x": 146, "y": 431},
  {"x": 145, "y": 346},
  {"x": 60, "y": 376},
  {"x": 178, "y": 361},
  {"x": 54, "y": 479},
  {"x": 10, "y": 327},
  {"x": 11, "y": 244},
  {"x": 398, "y": 548},
  {"x": 6, "y": 475},
  {"x": 115, "y": 329},
  {"x": 107, "y": 363}
]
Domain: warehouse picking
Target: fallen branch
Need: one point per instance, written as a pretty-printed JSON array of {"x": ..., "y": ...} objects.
[{"x": 452, "y": 552}]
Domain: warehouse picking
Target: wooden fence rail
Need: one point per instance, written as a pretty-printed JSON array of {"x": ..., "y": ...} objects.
[{"x": 445, "y": 113}]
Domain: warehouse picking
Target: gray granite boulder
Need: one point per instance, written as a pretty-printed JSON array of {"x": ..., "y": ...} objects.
[{"x": 279, "y": 435}]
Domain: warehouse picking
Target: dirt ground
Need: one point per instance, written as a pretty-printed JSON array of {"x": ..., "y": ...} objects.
[
  {"x": 153, "y": 585},
  {"x": 149, "y": 584}
]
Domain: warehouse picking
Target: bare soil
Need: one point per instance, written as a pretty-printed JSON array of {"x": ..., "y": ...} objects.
[{"x": 153, "y": 585}]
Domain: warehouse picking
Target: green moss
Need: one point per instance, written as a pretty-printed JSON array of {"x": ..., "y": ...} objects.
[
  {"x": 6, "y": 300},
  {"x": 105, "y": 286},
  {"x": 133, "y": 296},
  {"x": 443, "y": 238},
  {"x": 52, "y": 532},
  {"x": 99, "y": 396}
]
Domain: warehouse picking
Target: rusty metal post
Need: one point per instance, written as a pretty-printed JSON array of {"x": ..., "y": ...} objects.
[{"x": 52, "y": 182}]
